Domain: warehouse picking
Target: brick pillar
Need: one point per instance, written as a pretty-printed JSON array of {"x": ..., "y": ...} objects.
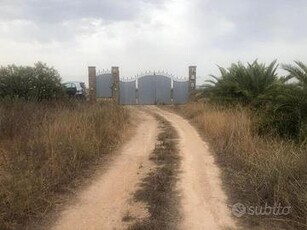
[
  {"x": 115, "y": 87},
  {"x": 92, "y": 83},
  {"x": 192, "y": 79}
]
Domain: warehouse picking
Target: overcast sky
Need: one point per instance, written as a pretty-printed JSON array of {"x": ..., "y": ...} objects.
[{"x": 140, "y": 35}]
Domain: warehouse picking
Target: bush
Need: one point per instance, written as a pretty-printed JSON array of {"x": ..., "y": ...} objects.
[
  {"x": 285, "y": 112},
  {"x": 36, "y": 83}
]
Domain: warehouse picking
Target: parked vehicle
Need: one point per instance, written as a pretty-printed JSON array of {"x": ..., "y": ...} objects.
[{"x": 75, "y": 89}]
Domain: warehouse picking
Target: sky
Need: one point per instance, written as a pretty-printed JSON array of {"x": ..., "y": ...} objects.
[{"x": 143, "y": 35}]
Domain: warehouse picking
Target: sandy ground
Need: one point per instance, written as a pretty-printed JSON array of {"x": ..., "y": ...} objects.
[
  {"x": 109, "y": 198},
  {"x": 203, "y": 200}
]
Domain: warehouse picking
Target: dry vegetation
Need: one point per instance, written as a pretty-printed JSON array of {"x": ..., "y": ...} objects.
[
  {"x": 44, "y": 147},
  {"x": 259, "y": 169},
  {"x": 158, "y": 190}
]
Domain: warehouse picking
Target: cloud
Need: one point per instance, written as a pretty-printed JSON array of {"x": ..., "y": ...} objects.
[
  {"x": 261, "y": 20},
  {"x": 141, "y": 35},
  {"x": 61, "y": 20},
  {"x": 55, "y": 11}
]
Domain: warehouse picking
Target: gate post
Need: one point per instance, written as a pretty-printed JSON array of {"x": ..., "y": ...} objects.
[
  {"x": 192, "y": 80},
  {"x": 115, "y": 87},
  {"x": 92, "y": 83}
]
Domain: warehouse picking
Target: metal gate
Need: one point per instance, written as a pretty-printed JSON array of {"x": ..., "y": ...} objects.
[
  {"x": 104, "y": 83},
  {"x": 180, "y": 92},
  {"x": 148, "y": 89},
  {"x": 154, "y": 89},
  {"x": 127, "y": 92}
]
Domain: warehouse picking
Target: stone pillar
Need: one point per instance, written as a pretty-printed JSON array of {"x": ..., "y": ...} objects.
[
  {"x": 115, "y": 87},
  {"x": 92, "y": 83},
  {"x": 192, "y": 78}
]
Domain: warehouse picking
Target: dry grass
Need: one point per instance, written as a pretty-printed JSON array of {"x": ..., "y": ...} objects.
[
  {"x": 258, "y": 169},
  {"x": 158, "y": 190},
  {"x": 44, "y": 147}
]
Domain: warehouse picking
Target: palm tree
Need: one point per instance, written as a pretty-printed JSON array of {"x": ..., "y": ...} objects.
[
  {"x": 296, "y": 99},
  {"x": 244, "y": 84},
  {"x": 298, "y": 72},
  {"x": 285, "y": 111}
]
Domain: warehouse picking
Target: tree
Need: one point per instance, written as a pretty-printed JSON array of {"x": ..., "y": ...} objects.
[
  {"x": 30, "y": 83},
  {"x": 298, "y": 72},
  {"x": 243, "y": 84}
]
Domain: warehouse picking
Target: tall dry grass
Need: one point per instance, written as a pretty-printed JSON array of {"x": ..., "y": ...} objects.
[
  {"x": 259, "y": 169},
  {"x": 43, "y": 148}
]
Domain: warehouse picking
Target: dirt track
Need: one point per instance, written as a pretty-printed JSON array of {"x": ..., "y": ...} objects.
[{"x": 106, "y": 202}]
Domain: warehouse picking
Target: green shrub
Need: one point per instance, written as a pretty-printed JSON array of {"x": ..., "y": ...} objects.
[
  {"x": 36, "y": 83},
  {"x": 285, "y": 112}
]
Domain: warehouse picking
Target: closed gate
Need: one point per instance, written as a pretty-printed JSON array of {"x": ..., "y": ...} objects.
[
  {"x": 148, "y": 89},
  {"x": 104, "y": 83},
  {"x": 127, "y": 92},
  {"x": 180, "y": 91},
  {"x": 154, "y": 89}
]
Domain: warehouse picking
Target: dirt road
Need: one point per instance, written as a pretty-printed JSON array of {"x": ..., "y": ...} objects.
[
  {"x": 108, "y": 200},
  {"x": 204, "y": 203}
]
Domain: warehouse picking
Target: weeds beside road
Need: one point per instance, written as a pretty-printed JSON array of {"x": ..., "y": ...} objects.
[
  {"x": 259, "y": 169},
  {"x": 43, "y": 148}
]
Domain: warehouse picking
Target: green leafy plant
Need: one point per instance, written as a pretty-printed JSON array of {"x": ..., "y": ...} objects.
[
  {"x": 243, "y": 84},
  {"x": 36, "y": 83},
  {"x": 298, "y": 72},
  {"x": 286, "y": 105}
]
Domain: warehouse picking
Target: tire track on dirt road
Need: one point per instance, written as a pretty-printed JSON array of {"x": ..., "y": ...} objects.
[
  {"x": 204, "y": 203},
  {"x": 108, "y": 199}
]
